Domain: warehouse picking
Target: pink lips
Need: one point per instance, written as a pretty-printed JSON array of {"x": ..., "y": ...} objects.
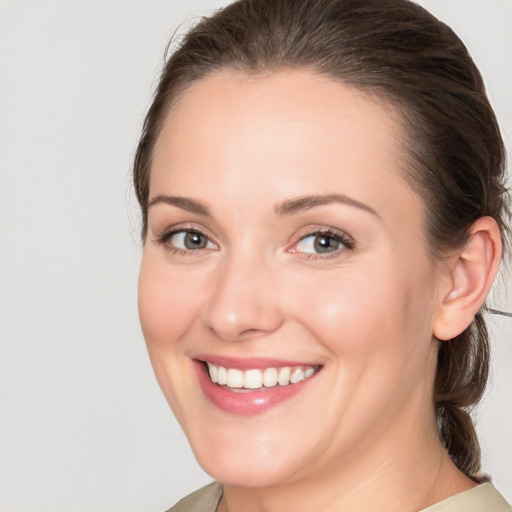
[
  {"x": 247, "y": 363},
  {"x": 246, "y": 402}
]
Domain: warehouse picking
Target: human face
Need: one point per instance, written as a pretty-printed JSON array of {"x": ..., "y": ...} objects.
[{"x": 282, "y": 234}]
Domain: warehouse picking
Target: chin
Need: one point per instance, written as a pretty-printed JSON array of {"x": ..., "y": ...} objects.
[
  {"x": 240, "y": 458},
  {"x": 247, "y": 472}
]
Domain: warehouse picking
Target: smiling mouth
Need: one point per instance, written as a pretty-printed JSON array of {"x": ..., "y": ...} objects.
[{"x": 238, "y": 380}]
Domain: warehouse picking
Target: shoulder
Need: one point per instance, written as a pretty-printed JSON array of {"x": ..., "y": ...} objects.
[
  {"x": 482, "y": 498},
  {"x": 205, "y": 499}
]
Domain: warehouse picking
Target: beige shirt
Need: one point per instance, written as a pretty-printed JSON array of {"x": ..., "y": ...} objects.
[{"x": 482, "y": 498}]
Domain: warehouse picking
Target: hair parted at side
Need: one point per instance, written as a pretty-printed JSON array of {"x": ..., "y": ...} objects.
[{"x": 395, "y": 50}]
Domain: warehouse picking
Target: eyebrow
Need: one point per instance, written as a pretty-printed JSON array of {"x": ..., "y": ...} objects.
[
  {"x": 287, "y": 207},
  {"x": 190, "y": 205},
  {"x": 299, "y": 204}
]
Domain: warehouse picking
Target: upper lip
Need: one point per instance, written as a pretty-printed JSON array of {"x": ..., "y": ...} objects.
[{"x": 250, "y": 363}]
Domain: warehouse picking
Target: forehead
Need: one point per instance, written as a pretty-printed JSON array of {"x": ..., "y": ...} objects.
[
  {"x": 288, "y": 130},
  {"x": 227, "y": 98}
]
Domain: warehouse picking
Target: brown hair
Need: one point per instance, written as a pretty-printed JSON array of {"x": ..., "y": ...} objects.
[{"x": 456, "y": 159}]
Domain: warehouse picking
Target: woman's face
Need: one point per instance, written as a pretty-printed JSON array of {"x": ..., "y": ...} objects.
[{"x": 284, "y": 245}]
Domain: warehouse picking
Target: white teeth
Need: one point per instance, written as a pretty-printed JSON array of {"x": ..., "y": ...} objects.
[
  {"x": 270, "y": 377},
  {"x": 214, "y": 372},
  {"x": 256, "y": 378},
  {"x": 253, "y": 379},
  {"x": 297, "y": 375},
  {"x": 235, "y": 378},
  {"x": 222, "y": 376},
  {"x": 284, "y": 376}
]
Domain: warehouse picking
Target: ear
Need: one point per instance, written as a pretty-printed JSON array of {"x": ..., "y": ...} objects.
[{"x": 470, "y": 274}]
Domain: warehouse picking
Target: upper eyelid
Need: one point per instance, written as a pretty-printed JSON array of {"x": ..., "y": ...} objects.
[
  {"x": 303, "y": 233},
  {"x": 326, "y": 231},
  {"x": 178, "y": 228}
]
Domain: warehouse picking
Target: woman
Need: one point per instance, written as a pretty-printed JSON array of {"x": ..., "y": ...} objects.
[{"x": 323, "y": 204}]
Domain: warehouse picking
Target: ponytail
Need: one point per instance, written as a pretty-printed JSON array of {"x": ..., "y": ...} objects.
[{"x": 462, "y": 373}]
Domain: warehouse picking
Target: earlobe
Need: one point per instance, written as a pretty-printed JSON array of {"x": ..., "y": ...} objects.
[{"x": 471, "y": 274}]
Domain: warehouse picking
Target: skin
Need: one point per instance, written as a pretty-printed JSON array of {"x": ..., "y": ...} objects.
[{"x": 363, "y": 430}]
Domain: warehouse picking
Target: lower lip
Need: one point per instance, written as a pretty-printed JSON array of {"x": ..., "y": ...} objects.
[{"x": 250, "y": 402}]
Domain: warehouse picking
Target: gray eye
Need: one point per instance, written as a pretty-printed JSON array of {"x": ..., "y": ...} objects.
[
  {"x": 195, "y": 241},
  {"x": 319, "y": 244},
  {"x": 325, "y": 243},
  {"x": 191, "y": 240}
]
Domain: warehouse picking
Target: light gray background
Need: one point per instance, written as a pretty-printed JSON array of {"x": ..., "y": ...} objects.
[{"x": 83, "y": 424}]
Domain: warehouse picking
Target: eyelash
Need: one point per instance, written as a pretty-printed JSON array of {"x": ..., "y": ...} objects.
[{"x": 337, "y": 236}]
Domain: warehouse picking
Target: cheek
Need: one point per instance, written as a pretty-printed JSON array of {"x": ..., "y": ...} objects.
[
  {"x": 340, "y": 307},
  {"x": 369, "y": 312},
  {"x": 167, "y": 303},
  {"x": 168, "y": 306}
]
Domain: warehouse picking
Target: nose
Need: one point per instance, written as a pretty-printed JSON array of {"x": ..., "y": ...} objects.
[{"x": 243, "y": 302}]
